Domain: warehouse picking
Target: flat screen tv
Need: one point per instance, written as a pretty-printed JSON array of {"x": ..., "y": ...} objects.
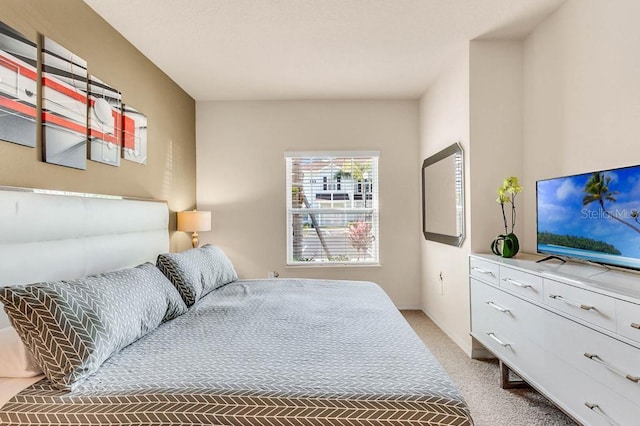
[{"x": 592, "y": 216}]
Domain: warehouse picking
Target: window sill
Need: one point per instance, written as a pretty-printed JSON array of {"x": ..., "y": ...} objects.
[{"x": 333, "y": 265}]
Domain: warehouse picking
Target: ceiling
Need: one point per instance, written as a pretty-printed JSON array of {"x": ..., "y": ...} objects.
[{"x": 312, "y": 49}]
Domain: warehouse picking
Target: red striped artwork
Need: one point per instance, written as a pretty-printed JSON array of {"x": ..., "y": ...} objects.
[
  {"x": 134, "y": 131},
  {"x": 18, "y": 82},
  {"x": 105, "y": 122},
  {"x": 64, "y": 106}
]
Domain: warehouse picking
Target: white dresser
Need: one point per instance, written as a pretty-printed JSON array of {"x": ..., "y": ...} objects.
[{"x": 571, "y": 331}]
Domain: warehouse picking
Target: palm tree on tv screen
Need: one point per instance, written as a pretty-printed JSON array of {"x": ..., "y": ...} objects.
[{"x": 597, "y": 189}]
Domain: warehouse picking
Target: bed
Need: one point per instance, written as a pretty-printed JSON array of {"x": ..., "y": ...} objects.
[{"x": 263, "y": 352}]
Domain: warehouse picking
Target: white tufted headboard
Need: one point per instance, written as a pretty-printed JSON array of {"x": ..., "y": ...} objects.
[{"x": 47, "y": 237}]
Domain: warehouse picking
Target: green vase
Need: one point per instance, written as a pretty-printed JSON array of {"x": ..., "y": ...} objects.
[{"x": 505, "y": 245}]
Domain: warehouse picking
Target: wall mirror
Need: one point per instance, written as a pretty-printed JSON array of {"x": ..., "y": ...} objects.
[{"x": 443, "y": 196}]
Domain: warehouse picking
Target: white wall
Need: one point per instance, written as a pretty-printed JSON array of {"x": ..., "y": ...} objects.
[
  {"x": 444, "y": 119},
  {"x": 241, "y": 178},
  {"x": 495, "y": 111},
  {"x": 495, "y": 115},
  {"x": 478, "y": 101},
  {"x": 582, "y": 94}
]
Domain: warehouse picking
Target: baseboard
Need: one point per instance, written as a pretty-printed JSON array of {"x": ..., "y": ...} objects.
[{"x": 465, "y": 346}]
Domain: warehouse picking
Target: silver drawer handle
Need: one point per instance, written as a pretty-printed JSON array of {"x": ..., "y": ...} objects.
[
  {"x": 596, "y": 358},
  {"x": 500, "y": 342},
  {"x": 572, "y": 303},
  {"x": 482, "y": 271},
  {"x": 497, "y": 307},
  {"x": 635, "y": 325},
  {"x": 596, "y": 409},
  {"x": 516, "y": 283}
]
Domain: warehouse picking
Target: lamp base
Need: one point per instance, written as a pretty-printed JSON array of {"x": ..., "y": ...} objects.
[{"x": 194, "y": 240}]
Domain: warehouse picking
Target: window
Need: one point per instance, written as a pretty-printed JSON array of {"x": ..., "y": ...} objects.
[{"x": 332, "y": 208}]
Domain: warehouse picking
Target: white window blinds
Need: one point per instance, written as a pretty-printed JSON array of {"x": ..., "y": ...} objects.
[{"x": 332, "y": 208}]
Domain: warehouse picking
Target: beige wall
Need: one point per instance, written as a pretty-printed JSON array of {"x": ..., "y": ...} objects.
[
  {"x": 582, "y": 94},
  {"x": 241, "y": 178},
  {"x": 478, "y": 101},
  {"x": 495, "y": 114},
  {"x": 170, "y": 170},
  {"x": 444, "y": 119}
]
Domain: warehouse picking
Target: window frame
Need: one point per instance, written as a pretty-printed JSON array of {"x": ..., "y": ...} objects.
[{"x": 372, "y": 198}]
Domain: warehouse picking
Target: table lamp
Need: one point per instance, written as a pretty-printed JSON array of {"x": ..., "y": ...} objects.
[{"x": 194, "y": 221}]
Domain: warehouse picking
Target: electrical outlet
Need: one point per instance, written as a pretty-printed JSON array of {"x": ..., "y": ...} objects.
[{"x": 273, "y": 274}]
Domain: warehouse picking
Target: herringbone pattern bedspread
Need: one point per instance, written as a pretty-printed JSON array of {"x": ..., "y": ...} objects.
[{"x": 277, "y": 352}]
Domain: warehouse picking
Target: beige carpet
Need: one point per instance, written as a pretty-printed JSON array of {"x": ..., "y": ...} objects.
[{"x": 479, "y": 383}]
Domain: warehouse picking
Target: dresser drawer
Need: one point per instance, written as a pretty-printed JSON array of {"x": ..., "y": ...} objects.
[
  {"x": 484, "y": 270},
  {"x": 607, "y": 360},
  {"x": 584, "y": 304},
  {"x": 482, "y": 316},
  {"x": 628, "y": 320},
  {"x": 522, "y": 283},
  {"x": 515, "y": 349},
  {"x": 508, "y": 311},
  {"x": 586, "y": 399},
  {"x": 498, "y": 333}
]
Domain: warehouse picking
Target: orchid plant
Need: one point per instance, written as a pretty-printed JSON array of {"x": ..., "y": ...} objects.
[{"x": 507, "y": 194}]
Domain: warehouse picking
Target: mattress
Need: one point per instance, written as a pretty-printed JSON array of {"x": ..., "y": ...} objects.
[{"x": 263, "y": 352}]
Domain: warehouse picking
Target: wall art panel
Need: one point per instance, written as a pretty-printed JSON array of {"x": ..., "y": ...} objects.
[
  {"x": 18, "y": 87},
  {"x": 134, "y": 125},
  {"x": 105, "y": 122},
  {"x": 64, "y": 106}
]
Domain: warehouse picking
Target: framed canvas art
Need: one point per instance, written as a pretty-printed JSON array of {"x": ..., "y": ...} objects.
[
  {"x": 18, "y": 87},
  {"x": 134, "y": 130},
  {"x": 64, "y": 106},
  {"x": 105, "y": 122}
]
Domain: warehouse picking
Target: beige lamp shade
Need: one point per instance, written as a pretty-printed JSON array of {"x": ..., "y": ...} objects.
[{"x": 194, "y": 221}]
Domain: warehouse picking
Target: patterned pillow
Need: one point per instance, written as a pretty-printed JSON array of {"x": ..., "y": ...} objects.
[
  {"x": 72, "y": 327},
  {"x": 197, "y": 272}
]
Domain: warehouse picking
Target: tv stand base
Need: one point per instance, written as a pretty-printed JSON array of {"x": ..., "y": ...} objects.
[{"x": 551, "y": 258}]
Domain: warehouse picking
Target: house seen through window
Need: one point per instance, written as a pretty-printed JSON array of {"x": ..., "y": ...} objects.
[{"x": 332, "y": 208}]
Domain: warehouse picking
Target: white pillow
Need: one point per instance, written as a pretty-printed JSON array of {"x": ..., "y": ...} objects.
[{"x": 16, "y": 359}]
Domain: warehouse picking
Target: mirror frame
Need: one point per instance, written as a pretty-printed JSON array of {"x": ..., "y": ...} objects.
[{"x": 454, "y": 240}]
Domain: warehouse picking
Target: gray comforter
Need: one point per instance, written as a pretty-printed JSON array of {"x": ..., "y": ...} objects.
[{"x": 281, "y": 352}]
